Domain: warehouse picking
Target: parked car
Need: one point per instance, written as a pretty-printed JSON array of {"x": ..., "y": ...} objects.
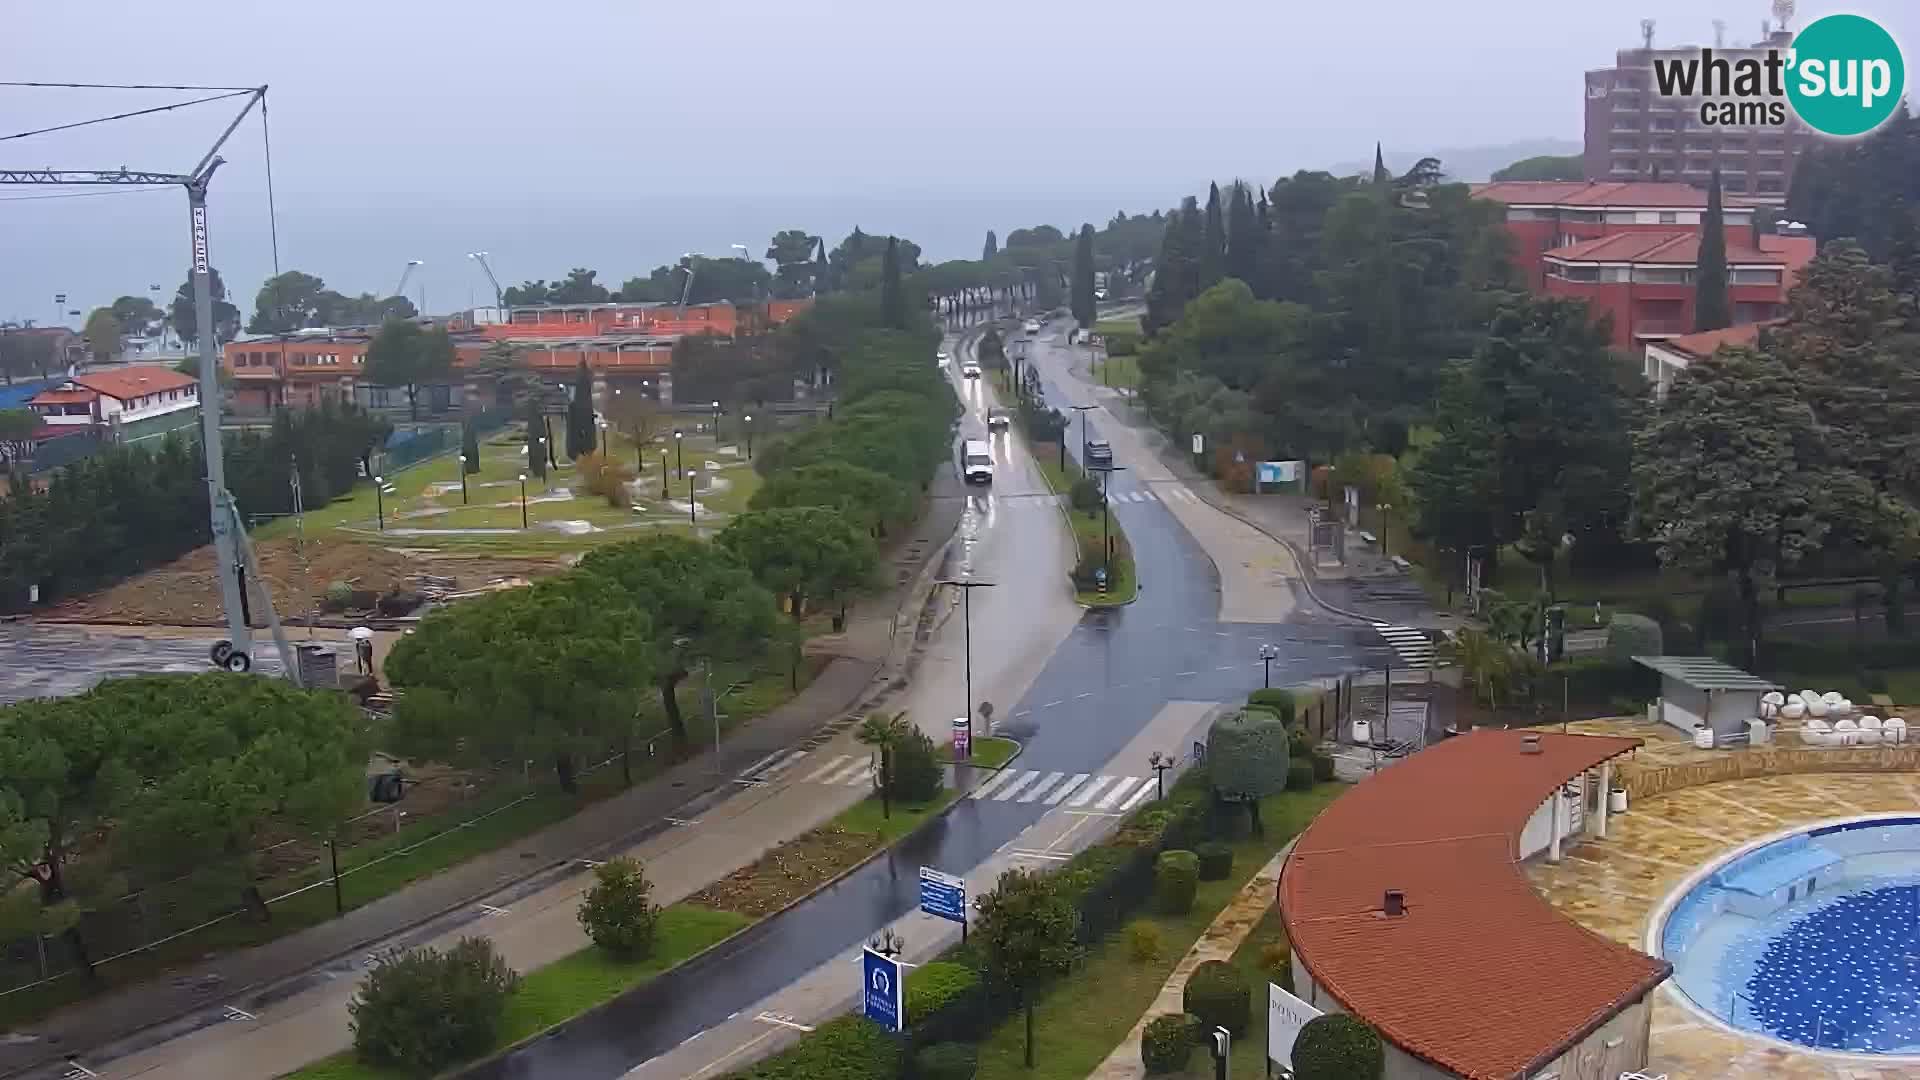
[
  {"x": 1099, "y": 454},
  {"x": 999, "y": 419}
]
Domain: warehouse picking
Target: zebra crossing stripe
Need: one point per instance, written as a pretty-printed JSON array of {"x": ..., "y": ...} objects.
[
  {"x": 1041, "y": 788},
  {"x": 1147, "y": 495},
  {"x": 1066, "y": 789},
  {"x": 1116, "y": 793},
  {"x": 1146, "y": 789},
  {"x": 819, "y": 775},
  {"x": 1013, "y": 789},
  {"x": 1412, "y": 645},
  {"x": 1088, "y": 792},
  {"x": 861, "y": 778},
  {"x": 853, "y": 769},
  {"x": 998, "y": 778},
  {"x": 783, "y": 764}
]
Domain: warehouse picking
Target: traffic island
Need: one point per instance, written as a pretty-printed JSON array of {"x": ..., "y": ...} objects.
[
  {"x": 1104, "y": 574},
  {"x": 989, "y": 752}
]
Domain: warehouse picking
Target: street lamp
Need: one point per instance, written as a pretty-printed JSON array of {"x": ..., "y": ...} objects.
[
  {"x": 1106, "y": 536},
  {"x": 716, "y": 425},
  {"x": 601, "y": 423},
  {"x": 679, "y": 454},
  {"x": 966, "y": 587},
  {"x": 1268, "y": 653},
  {"x": 663, "y": 472},
  {"x": 747, "y": 422},
  {"x": 1159, "y": 763},
  {"x": 1386, "y": 509},
  {"x": 380, "y": 490},
  {"x": 523, "y": 500},
  {"x": 1082, "y": 410},
  {"x": 463, "y": 479}
]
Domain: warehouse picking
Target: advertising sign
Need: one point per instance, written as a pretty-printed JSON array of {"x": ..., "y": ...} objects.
[
  {"x": 1286, "y": 1015},
  {"x": 880, "y": 990}
]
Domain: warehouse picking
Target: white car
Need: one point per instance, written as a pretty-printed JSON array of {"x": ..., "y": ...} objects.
[
  {"x": 941, "y": 357},
  {"x": 970, "y": 370},
  {"x": 1032, "y": 327}
]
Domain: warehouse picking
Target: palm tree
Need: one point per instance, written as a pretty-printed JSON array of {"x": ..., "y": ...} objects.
[
  {"x": 1486, "y": 663},
  {"x": 883, "y": 733}
]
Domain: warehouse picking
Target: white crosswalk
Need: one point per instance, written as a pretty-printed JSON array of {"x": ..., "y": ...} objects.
[
  {"x": 1144, "y": 495},
  {"x": 1414, "y": 647},
  {"x": 1075, "y": 790},
  {"x": 845, "y": 770}
]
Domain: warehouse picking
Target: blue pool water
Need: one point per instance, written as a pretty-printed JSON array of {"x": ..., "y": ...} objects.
[{"x": 1812, "y": 939}]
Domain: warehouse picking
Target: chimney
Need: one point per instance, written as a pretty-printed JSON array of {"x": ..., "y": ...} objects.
[
  {"x": 1395, "y": 904},
  {"x": 1530, "y": 744}
]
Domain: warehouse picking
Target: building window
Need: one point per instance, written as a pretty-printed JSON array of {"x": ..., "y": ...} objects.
[
  {"x": 1574, "y": 272},
  {"x": 1620, "y": 217},
  {"x": 1616, "y": 273},
  {"x": 1734, "y": 183},
  {"x": 1753, "y": 277},
  {"x": 1663, "y": 275},
  {"x": 1669, "y": 217},
  {"x": 1771, "y": 187},
  {"x": 1590, "y": 217}
]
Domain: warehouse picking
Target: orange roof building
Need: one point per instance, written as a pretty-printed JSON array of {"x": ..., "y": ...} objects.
[{"x": 142, "y": 401}]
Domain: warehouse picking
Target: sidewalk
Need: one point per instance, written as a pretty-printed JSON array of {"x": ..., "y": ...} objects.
[{"x": 875, "y": 650}]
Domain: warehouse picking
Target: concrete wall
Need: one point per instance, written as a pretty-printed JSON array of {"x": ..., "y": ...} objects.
[
  {"x": 1400, "y": 1064},
  {"x": 1620, "y": 1045},
  {"x": 1643, "y": 780}
]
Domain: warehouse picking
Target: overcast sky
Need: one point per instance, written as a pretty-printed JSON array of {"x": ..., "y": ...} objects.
[{"x": 618, "y": 135}]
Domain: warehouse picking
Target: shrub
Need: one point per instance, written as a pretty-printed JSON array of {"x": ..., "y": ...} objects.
[
  {"x": 1276, "y": 962},
  {"x": 1176, "y": 877},
  {"x": 1300, "y": 742},
  {"x": 933, "y": 986},
  {"x": 1085, "y": 495},
  {"x": 1338, "y": 1047},
  {"x": 947, "y": 1061},
  {"x": 422, "y": 1010},
  {"x": 397, "y": 601},
  {"x": 1166, "y": 1044},
  {"x": 1247, "y": 753},
  {"x": 1281, "y": 703},
  {"x": 1300, "y": 775},
  {"x": 1630, "y": 635},
  {"x": 337, "y": 595},
  {"x": 846, "y": 1048},
  {"x": 917, "y": 772},
  {"x": 616, "y": 912},
  {"x": 1217, "y": 993},
  {"x": 1143, "y": 942},
  {"x": 1322, "y": 766},
  {"x": 605, "y": 477},
  {"x": 1216, "y": 860}
]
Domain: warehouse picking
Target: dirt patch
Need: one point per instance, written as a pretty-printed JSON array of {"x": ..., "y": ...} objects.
[
  {"x": 186, "y": 593},
  {"x": 788, "y": 872}
]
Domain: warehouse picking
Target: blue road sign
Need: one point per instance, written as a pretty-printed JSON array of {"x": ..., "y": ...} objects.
[
  {"x": 880, "y": 990},
  {"x": 943, "y": 895}
]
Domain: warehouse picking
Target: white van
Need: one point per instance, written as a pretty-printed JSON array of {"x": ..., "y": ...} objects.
[{"x": 976, "y": 462}]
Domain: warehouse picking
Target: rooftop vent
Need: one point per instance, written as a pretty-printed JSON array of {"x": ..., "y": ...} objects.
[
  {"x": 1395, "y": 904},
  {"x": 1529, "y": 744}
]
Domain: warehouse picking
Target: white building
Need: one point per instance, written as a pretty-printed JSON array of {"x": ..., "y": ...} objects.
[
  {"x": 128, "y": 404},
  {"x": 1667, "y": 359}
]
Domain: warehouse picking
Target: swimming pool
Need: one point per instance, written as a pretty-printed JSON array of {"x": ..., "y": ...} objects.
[{"x": 1811, "y": 938}]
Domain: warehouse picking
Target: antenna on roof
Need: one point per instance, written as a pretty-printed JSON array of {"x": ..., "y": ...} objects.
[
  {"x": 1646, "y": 33},
  {"x": 1720, "y": 33},
  {"x": 1782, "y": 11}
]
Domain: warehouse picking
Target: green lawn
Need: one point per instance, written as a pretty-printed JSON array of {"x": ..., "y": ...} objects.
[
  {"x": 1089, "y": 531},
  {"x": 866, "y": 816},
  {"x": 1118, "y": 371},
  {"x": 1084, "y": 1016},
  {"x": 989, "y": 752},
  {"x": 572, "y": 985}
]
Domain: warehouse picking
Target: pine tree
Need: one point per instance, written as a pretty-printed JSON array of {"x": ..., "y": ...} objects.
[
  {"x": 991, "y": 248},
  {"x": 1213, "y": 253},
  {"x": 470, "y": 448},
  {"x": 580, "y": 428},
  {"x": 1244, "y": 235},
  {"x": 1082, "y": 298},
  {"x": 1710, "y": 308},
  {"x": 893, "y": 295},
  {"x": 1381, "y": 177}
]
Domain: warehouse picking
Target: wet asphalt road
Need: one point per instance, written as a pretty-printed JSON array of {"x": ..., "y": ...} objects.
[{"x": 1101, "y": 687}]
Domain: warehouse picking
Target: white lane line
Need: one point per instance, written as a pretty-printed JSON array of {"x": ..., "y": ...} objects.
[
  {"x": 1020, "y": 853},
  {"x": 491, "y": 910},
  {"x": 818, "y": 775},
  {"x": 999, "y": 778},
  {"x": 1116, "y": 793},
  {"x": 780, "y": 1020},
  {"x": 1147, "y": 495},
  {"x": 1139, "y": 797},
  {"x": 1186, "y": 673},
  {"x": 1051, "y": 704},
  {"x": 1090, "y": 791},
  {"x": 1023, "y": 712},
  {"x": 1042, "y": 787},
  {"x": 239, "y": 1014},
  {"x": 862, "y": 778},
  {"x": 1085, "y": 694},
  {"x": 1066, "y": 789},
  {"x": 1013, "y": 789}
]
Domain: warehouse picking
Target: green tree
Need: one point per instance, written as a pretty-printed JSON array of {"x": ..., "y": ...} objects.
[
  {"x": 617, "y": 912},
  {"x": 501, "y": 368},
  {"x": 802, "y": 553},
  {"x": 792, "y": 253},
  {"x": 185, "y": 319},
  {"x": 991, "y": 248},
  {"x": 538, "y": 453},
  {"x": 582, "y": 436},
  {"x": 706, "y": 607},
  {"x": 404, "y": 354},
  {"x": 1245, "y": 236},
  {"x": 1860, "y": 188},
  {"x": 1176, "y": 272},
  {"x": 1338, "y": 1046},
  {"x": 1736, "y": 476},
  {"x": 17, "y": 429},
  {"x": 1545, "y": 167},
  {"x": 137, "y": 314},
  {"x": 578, "y": 287},
  {"x": 469, "y": 448},
  {"x": 1026, "y": 929},
  {"x": 1213, "y": 249},
  {"x": 366, "y": 309},
  {"x": 1381, "y": 177},
  {"x": 884, "y": 732},
  {"x": 546, "y": 673},
  {"x": 290, "y": 301},
  {"x": 23, "y": 353},
  {"x": 893, "y": 296},
  {"x": 1711, "y": 309},
  {"x": 1083, "y": 277},
  {"x": 421, "y": 1010},
  {"x": 103, "y": 336},
  {"x": 871, "y": 499}
]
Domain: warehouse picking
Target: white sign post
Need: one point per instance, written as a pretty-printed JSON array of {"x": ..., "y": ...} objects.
[
  {"x": 1199, "y": 444},
  {"x": 1286, "y": 1015}
]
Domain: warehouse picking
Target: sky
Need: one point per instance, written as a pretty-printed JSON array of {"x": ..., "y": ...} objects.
[{"x": 619, "y": 135}]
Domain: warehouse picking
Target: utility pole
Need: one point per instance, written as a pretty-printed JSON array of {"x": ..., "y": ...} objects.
[{"x": 966, "y": 587}]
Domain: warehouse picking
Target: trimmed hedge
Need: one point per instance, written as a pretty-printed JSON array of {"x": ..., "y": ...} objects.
[
  {"x": 845, "y": 1048},
  {"x": 1300, "y": 774},
  {"x": 1166, "y": 1044},
  {"x": 1176, "y": 877},
  {"x": 1216, "y": 860},
  {"x": 932, "y": 986},
  {"x": 1322, "y": 766},
  {"x": 1217, "y": 993},
  {"x": 1247, "y": 754},
  {"x": 946, "y": 1061},
  {"x": 1281, "y": 703},
  {"x": 1630, "y": 635},
  {"x": 1338, "y": 1047}
]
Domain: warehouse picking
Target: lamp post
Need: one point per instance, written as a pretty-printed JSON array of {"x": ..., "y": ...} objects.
[
  {"x": 379, "y": 501},
  {"x": 601, "y": 423},
  {"x": 1159, "y": 763},
  {"x": 679, "y": 454},
  {"x": 523, "y": 500},
  {"x": 1267, "y": 655},
  {"x": 747, "y": 422},
  {"x": 966, "y": 587},
  {"x": 663, "y": 472},
  {"x": 690, "y": 483},
  {"x": 1106, "y": 535},
  {"x": 1385, "y": 522},
  {"x": 716, "y": 424},
  {"x": 1082, "y": 410},
  {"x": 463, "y": 479}
]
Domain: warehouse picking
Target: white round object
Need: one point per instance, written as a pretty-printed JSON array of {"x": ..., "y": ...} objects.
[
  {"x": 1833, "y": 697},
  {"x": 1793, "y": 710},
  {"x": 361, "y": 633},
  {"x": 1703, "y": 737},
  {"x": 1769, "y": 710},
  {"x": 1818, "y": 707},
  {"x": 1893, "y": 730},
  {"x": 1816, "y": 732},
  {"x": 1795, "y": 699},
  {"x": 1772, "y": 697},
  {"x": 1809, "y": 696},
  {"x": 1870, "y": 730}
]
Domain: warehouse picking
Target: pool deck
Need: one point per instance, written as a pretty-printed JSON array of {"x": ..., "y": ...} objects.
[{"x": 1614, "y": 886}]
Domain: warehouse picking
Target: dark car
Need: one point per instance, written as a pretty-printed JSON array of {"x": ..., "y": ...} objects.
[
  {"x": 999, "y": 419},
  {"x": 1099, "y": 454}
]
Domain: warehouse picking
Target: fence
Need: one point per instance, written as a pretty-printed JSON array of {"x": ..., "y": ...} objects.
[{"x": 406, "y": 449}]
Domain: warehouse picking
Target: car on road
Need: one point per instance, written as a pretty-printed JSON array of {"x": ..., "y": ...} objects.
[
  {"x": 970, "y": 369},
  {"x": 976, "y": 462},
  {"x": 941, "y": 357},
  {"x": 1099, "y": 454},
  {"x": 1033, "y": 327},
  {"x": 999, "y": 419}
]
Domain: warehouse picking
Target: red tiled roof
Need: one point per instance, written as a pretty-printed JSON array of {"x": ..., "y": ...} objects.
[
  {"x": 62, "y": 397},
  {"x": 1707, "y": 342},
  {"x": 1676, "y": 248},
  {"x": 1480, "y": 976},
  {"x": 132, "y": 382},
  {"x": 1591, "y": 194}
]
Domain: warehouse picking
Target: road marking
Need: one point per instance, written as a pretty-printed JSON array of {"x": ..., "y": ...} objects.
[
  {"x": 239, "y": 1014},
  {"x": 1091, "y": 813},
  {"x": 1116, "y": 793},
  {"x": 846, "y": 772},
  {"x": 1090, "y": 790},
  {"x": 1147, "y": 495},
  {"x": 1019, "y": 853},
  {"x": 1013, "y": 789},
  {"x": 1221, "y": 633},
  {"x": 1085, "y": 694},
  {"x": 999, "y": 778},
  {"x": 491, "y": 910},
  {"x": 1140, "y": 796},
  {"x": 1042, "y": 787},
  {"x": 839, "y": 762},
  {"x": 1224, "y": 667},
  {"x": 591, "y": 864},
  {"x": 782, "y": 1020},
  {"x": 721, "y": 1060},
  {"x": 1023, "y": 712},
  {"x": 861, "y": 778},
  {"x": 1051, "y": 704},
  {"x": 683, "y": 822},
  {"x": 1066, "y": 789},
  {"x": 1185, "y": 673},
  {"x": 784, "y": 764},
  {"x": 75, "y": 1070}
]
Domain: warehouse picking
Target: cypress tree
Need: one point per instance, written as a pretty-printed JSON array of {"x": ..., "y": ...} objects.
[
  {"x": 536, "y": 436},
  {"x": 470, "y": 447},
  {"x": 1380, "y": 173},
  {"x": 1243, "y": 235},
  {"x": 893, "y": 296},
  {"x": 1213, "y": 253},
  {"x": 822, "y": 270},
  {"x": 1710, "y": 307},
  {"x": 991, "y": 248},
  {"x": 581, "y": 439},
  {"x": 1083, "y": 276}
]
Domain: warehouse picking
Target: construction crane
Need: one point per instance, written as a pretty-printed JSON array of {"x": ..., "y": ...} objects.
[
  {"x": 499, "y": 297},
  {"x": 405, "y": 276},
  {"x": 233, "y": 551}
]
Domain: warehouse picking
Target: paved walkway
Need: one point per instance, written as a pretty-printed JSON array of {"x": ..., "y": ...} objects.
[
  {"x": 876, "y": 649},
  {"x": 1221, "y": 938}
]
